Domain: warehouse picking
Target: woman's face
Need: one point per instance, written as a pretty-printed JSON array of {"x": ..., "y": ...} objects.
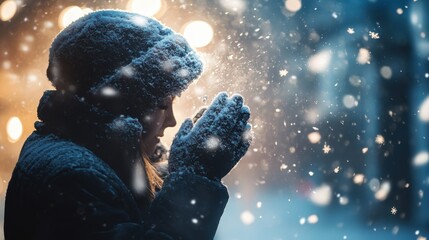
[{"x": 155, "y": 122}]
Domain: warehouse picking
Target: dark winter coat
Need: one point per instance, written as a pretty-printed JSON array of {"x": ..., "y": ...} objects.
[{"x": 65, "y": 184}]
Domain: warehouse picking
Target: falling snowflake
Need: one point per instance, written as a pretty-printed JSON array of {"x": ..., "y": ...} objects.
[
  {"x": 350, "y": 30},
  {"x": 283, "y": 167},
  {"x": 337, "y": 169},
  {"x": 127, "y": 71},
  {"x": 139, "y": 21},
  {"x": 379, "y": 139},
  {"x": 212, "y": 143},
  {"x": 393, "y": 210},
  {"x": 374, "y": 35},
  {"x": 183, "y": 72},
  {"x": 109, "y": 92},
  {"x": 283, "y": 72},
  {"x": 326, "y": 148}
]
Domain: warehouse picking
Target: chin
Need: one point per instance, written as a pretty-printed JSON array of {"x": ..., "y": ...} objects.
[{"x": 149, "y": 148}]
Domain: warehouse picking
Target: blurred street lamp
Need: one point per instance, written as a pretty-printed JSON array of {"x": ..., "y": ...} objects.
[
  {"x": 198, "y": 33},
  {"x": 7, "y": 10},
  {"x": 14, "y": 129}
]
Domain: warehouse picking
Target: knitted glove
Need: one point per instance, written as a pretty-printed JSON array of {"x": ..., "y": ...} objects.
[{"x": 217, "y": 141}]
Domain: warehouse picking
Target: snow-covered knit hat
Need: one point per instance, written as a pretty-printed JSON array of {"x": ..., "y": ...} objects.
[{"x": 123, "y": 61}]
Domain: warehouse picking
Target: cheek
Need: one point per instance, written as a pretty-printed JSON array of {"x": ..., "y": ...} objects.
[{"x": 153, "y": 122}]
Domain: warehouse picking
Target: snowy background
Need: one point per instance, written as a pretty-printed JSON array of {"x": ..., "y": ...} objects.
[{"x": 339, "y": 98}]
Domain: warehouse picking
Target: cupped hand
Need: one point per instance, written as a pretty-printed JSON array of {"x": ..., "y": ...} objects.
[{"x": 216, "y": 142}]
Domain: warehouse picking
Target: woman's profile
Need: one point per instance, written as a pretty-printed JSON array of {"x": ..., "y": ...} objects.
[{"x": 85, "y": 173}]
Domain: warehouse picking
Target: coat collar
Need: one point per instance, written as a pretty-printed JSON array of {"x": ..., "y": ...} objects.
[{"x": 114, "y": 139}]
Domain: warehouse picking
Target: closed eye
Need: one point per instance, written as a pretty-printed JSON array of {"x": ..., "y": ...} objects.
[{"x": 164, "y": 105}]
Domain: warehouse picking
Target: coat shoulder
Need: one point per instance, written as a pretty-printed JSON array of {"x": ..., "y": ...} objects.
[
  {"x": 58, "y": 185},
  {"x": 48, "y": 155}
]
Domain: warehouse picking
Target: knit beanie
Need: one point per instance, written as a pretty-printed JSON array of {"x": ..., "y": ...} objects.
[{"x": 121, "y": 61}]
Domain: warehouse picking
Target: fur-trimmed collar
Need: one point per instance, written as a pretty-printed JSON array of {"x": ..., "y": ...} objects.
[{"x": 116, "y": 140}]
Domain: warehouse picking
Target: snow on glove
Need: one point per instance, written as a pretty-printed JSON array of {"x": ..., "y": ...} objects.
[{"x": 217, "y": 141}]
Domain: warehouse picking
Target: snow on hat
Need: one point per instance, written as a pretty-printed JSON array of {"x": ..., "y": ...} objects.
[{"x": 114, "y": 56}]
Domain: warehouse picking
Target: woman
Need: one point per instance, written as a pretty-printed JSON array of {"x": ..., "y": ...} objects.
[{"x": 84, "y": 172}]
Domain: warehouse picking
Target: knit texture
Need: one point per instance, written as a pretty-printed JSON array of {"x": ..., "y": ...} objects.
[{"x": 113, "y": 56}]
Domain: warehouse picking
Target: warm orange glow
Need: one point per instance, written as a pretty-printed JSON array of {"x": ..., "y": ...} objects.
[
  {"x": 14, "y": 129},
  {"x": 293, "y": 5},
  {"x": 198, "y": 33},
  {"x": 145, "y": 7},
  {"x": 71, "y": 14},
  {"x": 359, "y": 179},
  {"x": 313, "y": 219},
  {"x": 7, "y": 10},
  {"x": 1, "y": 186}
]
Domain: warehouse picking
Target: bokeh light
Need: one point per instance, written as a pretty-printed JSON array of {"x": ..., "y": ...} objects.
[
  {"x": 198, "y": 33},
  {"x": 145, "y": 7},
  {"x": 14, "y": 129},
  {"x": 350, "y": 101},
  {"x": 313, "y": 219},
  {"x": 383, "y": 191},
  {"x": 247, "y": 217},
  {"x": 359, "y": 179},
  {"x": 321, "y": 195},
  {"x": 71, "y": 14},
  {"x": 386, "y": 72},
  {"x": 319, "y": 62},
  {"x": 364, "y": 56},
  {"x": 374, "y": 184},
  {"x": 424, "y": 110},
  {"x": 314, "y": 137},
  {"x": 293, "y": 5},
  {"x": 238, "y": 6},
  {"x": 7, "y": 10},
  {"x": 421, "y": 159}
]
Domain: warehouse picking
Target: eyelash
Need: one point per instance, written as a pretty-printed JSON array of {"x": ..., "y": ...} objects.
[{"x": 164, "y": 106}]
